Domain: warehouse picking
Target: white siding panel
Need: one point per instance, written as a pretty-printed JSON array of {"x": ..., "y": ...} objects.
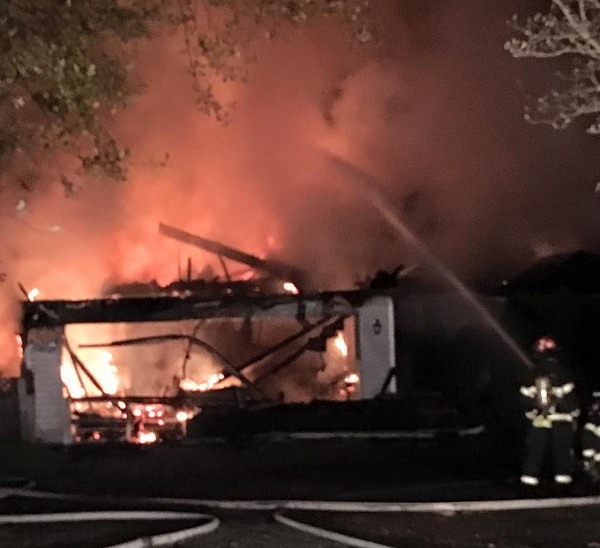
[
  {"x": 52, "y": 422},
  {"x": 376, "y": 345}
]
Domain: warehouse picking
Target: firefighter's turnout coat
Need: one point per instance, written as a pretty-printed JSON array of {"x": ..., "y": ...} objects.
[
  {"x": 590, "y": 436},
  {"x": 551, "y": 407}
]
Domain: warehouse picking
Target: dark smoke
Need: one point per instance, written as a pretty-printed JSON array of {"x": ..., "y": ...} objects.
[{"x": 433, "y": 111}]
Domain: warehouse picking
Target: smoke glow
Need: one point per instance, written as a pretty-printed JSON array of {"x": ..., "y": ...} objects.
[{"x": 433, "y": 113}]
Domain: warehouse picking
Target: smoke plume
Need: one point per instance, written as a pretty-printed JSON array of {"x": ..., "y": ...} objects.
[{"x": 433, "y": 111}]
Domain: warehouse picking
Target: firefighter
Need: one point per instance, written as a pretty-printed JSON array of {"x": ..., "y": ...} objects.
[
  {"x": 590, "y": 439},
  {"x": 551, "y": 407}
]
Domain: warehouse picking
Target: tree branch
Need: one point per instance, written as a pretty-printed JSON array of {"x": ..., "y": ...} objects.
[{"x": 582, "y": 29}]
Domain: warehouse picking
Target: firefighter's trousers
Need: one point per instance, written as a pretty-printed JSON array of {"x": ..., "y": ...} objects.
[{"x": 556, "y": 440}]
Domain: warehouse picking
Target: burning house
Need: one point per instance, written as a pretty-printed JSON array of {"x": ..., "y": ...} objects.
[
  {"x": 145, "y": 362},
  {"x": 140, "y": 363}
]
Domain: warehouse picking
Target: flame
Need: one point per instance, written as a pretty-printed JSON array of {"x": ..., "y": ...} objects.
[
  {"x": 248, "y": 275},
  {"x": 351, "y": 379},
  {"x": 147, "y": 437},
  {"x": 192, "y": 386},
  {"x": 71, "y": 381},
  {"x": 290, "y": 288},
  {"x": 104, "y": 371},
  {"x": 19, "y": 340},
  {"x": 340, "y": 344},
  {"x": 108, "y": 376},
  {"x": 182, "y": 416},
  {"x": 35, "y": 292}
]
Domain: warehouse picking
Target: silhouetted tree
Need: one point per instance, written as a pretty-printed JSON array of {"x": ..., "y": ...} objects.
[
  {"x": 65, "y": 72},
  {"x": 570, "y": 29}
]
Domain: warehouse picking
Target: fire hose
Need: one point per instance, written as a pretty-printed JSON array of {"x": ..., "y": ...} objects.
[
  {"x": 278, "y": 507},
  {"x": 163, "y": 539}
]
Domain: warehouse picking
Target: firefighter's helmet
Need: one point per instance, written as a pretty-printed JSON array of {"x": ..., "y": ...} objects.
[{"x": 545, "y": 345}]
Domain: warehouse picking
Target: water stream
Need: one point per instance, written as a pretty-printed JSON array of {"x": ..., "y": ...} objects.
[{"x": 370, "y": 190}]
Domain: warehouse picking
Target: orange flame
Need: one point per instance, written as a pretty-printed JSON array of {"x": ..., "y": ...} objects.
[
  {"x": 19, "y": 340},
  {"x": 147, "y": 437},
  {"x": 290, "y": 288},
  {"x": 353, "y": 378},
  {"x": 192, "y": 386},
  {"x": 33, "y": 294},
  {"x": 105, "y": 372},
  {"x": 182, "y": 416},
  {"x": 340, "y": 344}
]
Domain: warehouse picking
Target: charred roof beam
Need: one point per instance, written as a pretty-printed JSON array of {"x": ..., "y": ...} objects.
[{"x": 159, "y": 309}]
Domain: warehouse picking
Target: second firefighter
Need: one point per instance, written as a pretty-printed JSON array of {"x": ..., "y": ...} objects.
[{"x": 590, "y": 439}]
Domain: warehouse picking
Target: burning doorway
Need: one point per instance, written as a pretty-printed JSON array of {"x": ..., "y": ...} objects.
[{"x": 137, "y": 369}]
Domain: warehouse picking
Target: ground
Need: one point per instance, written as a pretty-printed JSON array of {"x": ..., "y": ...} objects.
[{"x": 476, "y": 466}]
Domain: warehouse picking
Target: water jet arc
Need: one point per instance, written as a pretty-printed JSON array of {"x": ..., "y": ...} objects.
[{"x": 369, "y": 189}]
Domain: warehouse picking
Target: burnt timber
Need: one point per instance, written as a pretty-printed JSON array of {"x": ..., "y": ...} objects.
[
  {"x": 278, "y": 269},
  {"x": 56, "y": 313}
]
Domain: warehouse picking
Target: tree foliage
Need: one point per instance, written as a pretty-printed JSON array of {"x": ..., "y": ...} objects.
[
  {"x": 65, "y": 64},
  {"x": 570, "y": 29}
]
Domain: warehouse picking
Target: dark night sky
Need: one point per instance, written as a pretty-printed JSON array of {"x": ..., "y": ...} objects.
[{"x": 481, "y": 176}]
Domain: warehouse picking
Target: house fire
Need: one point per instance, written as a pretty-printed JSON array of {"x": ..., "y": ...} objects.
[
  {"x": 150, "y": 363},
  {"x": 137, "y": 369}
]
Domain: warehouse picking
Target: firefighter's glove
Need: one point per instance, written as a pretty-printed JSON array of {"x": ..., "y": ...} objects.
[
  {"x": 531, "y": 414},
  {"x": 542, "y": 422}
]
